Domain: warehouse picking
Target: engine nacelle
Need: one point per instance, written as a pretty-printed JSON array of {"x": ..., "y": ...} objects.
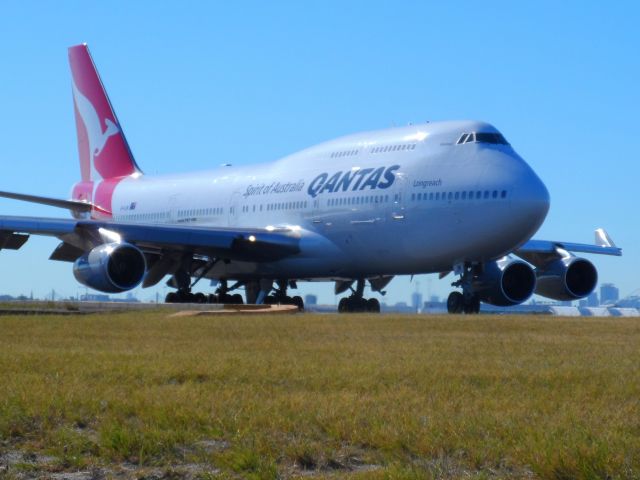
[
  {"x": 569, "y": 278},
  {"x": 111, "y": 268},
  {"x": 505, "y": 282}
]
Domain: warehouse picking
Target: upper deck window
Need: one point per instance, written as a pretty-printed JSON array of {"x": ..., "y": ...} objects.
[{"x": 480, "y": 137}]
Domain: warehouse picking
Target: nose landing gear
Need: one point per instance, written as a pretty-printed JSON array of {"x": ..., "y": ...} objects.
[{"x": 466, "y": 301}]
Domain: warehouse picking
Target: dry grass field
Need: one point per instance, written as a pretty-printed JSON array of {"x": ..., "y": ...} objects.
[{"x": 142, "y": 395}]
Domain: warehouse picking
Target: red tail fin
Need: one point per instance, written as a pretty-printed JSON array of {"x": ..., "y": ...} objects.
[{"x": 102, "y": 146}]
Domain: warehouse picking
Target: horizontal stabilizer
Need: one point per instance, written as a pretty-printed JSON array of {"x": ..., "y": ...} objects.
[{"x": 73, "y": 205}]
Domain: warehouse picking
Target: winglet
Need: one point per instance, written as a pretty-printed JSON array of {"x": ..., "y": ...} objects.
[{"x": 603, "y": 239}]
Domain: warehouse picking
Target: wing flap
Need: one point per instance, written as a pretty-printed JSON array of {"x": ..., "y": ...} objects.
[
  {"x": 12, "y": 241},
  {"x": 65, "y": 252}
]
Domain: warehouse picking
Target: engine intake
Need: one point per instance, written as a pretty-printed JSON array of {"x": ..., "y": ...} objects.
[
  {"x": 569, "y": 278},
  {"x": 111, "y": 268},
  {"x": 505, "y": 282}
]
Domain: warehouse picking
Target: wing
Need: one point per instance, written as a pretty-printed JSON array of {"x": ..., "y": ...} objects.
[
  {"x": 164, "y": 245},
  {"x": 540, "y": 252}
]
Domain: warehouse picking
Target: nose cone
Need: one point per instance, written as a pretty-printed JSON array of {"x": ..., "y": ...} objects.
[
  {"x": 534, "y": 200},
  {"x": 530, "y": 199}
]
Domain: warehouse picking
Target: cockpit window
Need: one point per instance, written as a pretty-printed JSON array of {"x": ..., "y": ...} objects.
[
  {"x": 494, "y": 138},
  {"x": 480, "y": 137}
]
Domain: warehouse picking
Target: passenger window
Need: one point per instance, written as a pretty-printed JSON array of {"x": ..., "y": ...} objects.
[
  {"x": 495, "y": 194},
  {"x": 457, "y": 196},
  {"x": 464, "y": 195},
  {"x": 504, "y": 194},
  {"x": 486, "y": 194}
]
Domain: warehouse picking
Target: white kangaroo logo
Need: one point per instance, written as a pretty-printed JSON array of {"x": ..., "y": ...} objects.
[{"x": 97, "y": 138}]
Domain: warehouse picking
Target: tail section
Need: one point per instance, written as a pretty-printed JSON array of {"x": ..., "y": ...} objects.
[
  {"x": 105, "y": 156},
  {"x": 103, "y": 149}
]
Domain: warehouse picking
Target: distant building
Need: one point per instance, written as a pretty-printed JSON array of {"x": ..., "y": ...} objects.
[
  {"x": 94, "y": 297},
  {"x": 592, "y": 300},
  {"x": 609, "y": 294},
  {"x": 400, "y": 307},
  {"x": 310, "y": 299}
]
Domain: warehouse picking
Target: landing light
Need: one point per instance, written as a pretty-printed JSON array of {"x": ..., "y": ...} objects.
[{"x": 252, "y": 238}]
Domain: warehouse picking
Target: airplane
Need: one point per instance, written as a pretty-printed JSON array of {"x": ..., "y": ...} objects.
[{"x": 438, "y": 197}]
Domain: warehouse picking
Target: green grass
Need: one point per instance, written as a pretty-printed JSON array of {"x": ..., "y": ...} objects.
[{"x": 356, "y": 396}]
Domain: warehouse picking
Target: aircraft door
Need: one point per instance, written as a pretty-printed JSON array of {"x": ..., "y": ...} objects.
[
  {"x": 173, "y": 208},
  {"x": 397, "y": 197},
  {"x": 234, "y": 209}
]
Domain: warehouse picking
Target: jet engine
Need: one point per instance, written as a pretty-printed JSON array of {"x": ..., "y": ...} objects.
[
  {"x": 505, "y": 282},
  {"x": 111, "y": 268},
  {"x": 567, "y": 278}
]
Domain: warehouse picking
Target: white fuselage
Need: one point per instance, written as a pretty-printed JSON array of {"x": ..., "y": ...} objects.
[{"x": 398, "y": 201}]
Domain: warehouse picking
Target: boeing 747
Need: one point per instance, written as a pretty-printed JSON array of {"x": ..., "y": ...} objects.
[{"x": 438, "y": 197}]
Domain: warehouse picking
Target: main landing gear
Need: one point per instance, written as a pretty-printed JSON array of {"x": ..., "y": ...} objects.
[
  {"x": 182, "y": 281},
  {"x": 280, "y": 297},
  {"x": 356, "y": 303},
  {"x": 465, "y": 301}
]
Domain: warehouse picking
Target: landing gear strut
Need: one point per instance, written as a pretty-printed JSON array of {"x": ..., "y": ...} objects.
[
  {"x": 466, "y": 301},
  {"x": 182, "y": 281},
  {"x": 222, "y": 294},
  {"x": 280, "y": 297},
  {"x": 356, "y": 301}
]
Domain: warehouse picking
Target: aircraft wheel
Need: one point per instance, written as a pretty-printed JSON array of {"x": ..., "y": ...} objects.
[
  {"x": 200, "y": 298},
  {"x": 343, "y": 305},
  {"x": 212, "y": 298},
  {"x": 472, "y": 305},
  {"x": 184, "y": 297},
  {"x": 172, "y": 297},
  {"x": 373, "y": 305},
  {"x": 236, "y": 299},
  {"x": 298, "y": 302},
  {"x": 455, "y": 302}
]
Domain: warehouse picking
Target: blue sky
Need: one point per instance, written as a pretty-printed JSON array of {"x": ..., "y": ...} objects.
[{"x": 197, "y": 84}]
